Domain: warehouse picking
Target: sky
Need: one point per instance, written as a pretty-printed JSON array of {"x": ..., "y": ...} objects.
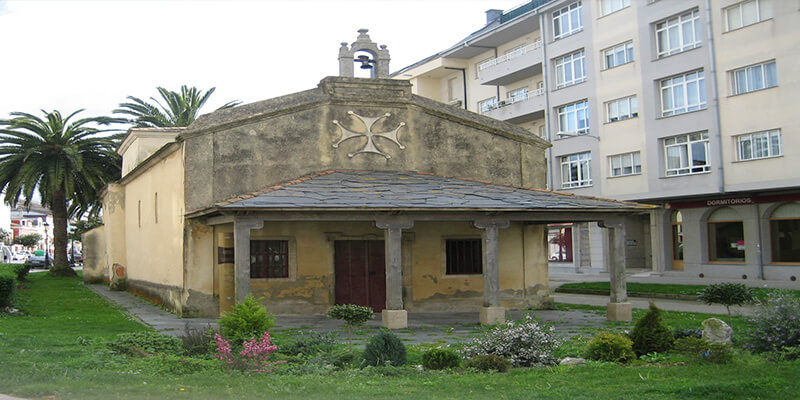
[{"x": 68, "y": 55}]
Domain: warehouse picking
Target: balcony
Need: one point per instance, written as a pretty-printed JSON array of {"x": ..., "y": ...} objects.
[
  {"x": 519, "y": 64},
  {"x": 521, "y": 108}
]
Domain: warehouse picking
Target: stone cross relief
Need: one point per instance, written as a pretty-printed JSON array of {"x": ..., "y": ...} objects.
[{"x": 369, "y": 146}]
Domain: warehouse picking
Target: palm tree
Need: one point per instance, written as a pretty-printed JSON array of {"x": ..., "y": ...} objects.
[
  {"x": 67, "y": 162},
  {"x": 181, "y": 108}
]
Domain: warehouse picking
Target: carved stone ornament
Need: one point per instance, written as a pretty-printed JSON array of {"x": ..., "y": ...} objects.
[{"x": 369, "y": 146}]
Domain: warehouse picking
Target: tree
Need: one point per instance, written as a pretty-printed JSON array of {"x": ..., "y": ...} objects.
[
  {"x": 728, "y": 294},
  {"x": 28, "y": 240},
  {"x": 178, "y": 109},
  {"x": 82, "y": 226},
  {"x": 68, "y": 162}
]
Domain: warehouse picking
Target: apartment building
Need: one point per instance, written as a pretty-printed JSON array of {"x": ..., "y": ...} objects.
[{"x": 688, "y": 104}]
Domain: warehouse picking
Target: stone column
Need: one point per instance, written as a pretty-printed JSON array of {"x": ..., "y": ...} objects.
[
  {"x": 492, "y": 311},
  {"x": 241, "y": 255},
  {"x": 618, "y": 309},
  {"x": 394, "y": 316}
]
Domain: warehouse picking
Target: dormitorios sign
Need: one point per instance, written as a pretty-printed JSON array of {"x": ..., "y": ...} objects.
[{"x": 733, "y": 201}]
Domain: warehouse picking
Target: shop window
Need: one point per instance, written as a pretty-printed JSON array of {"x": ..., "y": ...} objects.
[
  {"x": 269, "y": 259},
  {"x": 725, "y": 236},
  {"x": 784, "y": 227},
  {"x": 559, "y": 241},
  {"x": 677, "y": 240},
  {"x": 464, "y": 256}
]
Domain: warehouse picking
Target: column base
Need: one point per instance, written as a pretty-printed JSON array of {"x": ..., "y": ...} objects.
[
  {"x": 394, "y": 319},
  {"x": 619, "y": 312},
  {"x": 492, "y": 315}
]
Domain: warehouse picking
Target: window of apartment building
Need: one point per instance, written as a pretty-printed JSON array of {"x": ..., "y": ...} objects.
[
  {"x": 617, "y": 110},
  {"x": 519, "y": 94},
  {"x": 754, "y": 77},
  {"x": 576, "y": 170},
  {"x": 625, "y": 164},
  {"x": 784, "y": 227},
  {"x": 618, "y": 55},
  {"x": 483, "y": 64},
  {"x": 269, "y": 258},
  {"x": 754, "y": 146},
  {"x": 747, "y": 13},
  {"x": 570, "y": 69},
  {"x": 683, "y": 93},
  {"x": 725, "y": 236},
  {"x": 487, "y": 105},
  {"x": 612, "y": 6},
  {"x": 567, "y": 20},
  {"x": 687, "y": 154},
  {"x": 463, "y": 256},
  {"x": 574, "y": 118},
  {"x": 559, "y": 242},
  {"x": 452, "y": 89},
  {"x": 678, "y": 33}
]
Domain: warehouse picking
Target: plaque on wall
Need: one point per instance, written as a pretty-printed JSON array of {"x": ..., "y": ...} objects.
[{"x": 225, "y": 255}]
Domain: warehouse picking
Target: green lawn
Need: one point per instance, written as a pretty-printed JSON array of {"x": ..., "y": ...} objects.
[
  {"x": 58, "y": 349},
  {"x": 661, "y": 288}
]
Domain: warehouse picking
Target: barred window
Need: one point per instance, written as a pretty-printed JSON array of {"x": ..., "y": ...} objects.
[
  {"x": 464, "y": 256},
  {"x": 269, "y": 258}
]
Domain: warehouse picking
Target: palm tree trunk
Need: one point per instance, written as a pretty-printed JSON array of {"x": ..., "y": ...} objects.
[{"x": 59, "y": 208}]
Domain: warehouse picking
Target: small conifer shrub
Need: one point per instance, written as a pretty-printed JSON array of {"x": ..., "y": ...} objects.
[
  {"x": 385, "y": 348},
  {"x": 248, "y": 320},
  {"x": 649, "y": 335},
  {"x": 440, "y": 359}
]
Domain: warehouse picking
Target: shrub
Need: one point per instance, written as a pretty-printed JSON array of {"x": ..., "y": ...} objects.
[
  {"x": 440, "y": 359},
  {"x": 20, "y": 270},
  {"x": 776, "y": 324},
  {"x": 609, "y": 346},
  {"x": 8, "y": 284},
  {"x": 728, "y": 294},
  {"x": 784, "y": 354},
  {"x": 248, "y": 320},
  {"x": 196, "y": 341},
  {"x": 488, "y": 362},
  {"x": 146, "y": 343},
  {"x": 254, "y": 356},
  {"x": 385, "y": 348},
  {"x": 649, "y": 335},
  {"x": 701, "y": 348},
  {"x": 353, "y": 316},
  {"x": 687, "y": 332},
  {"x": 310, "y": 344},
  {"x": 523, "y": 343}
]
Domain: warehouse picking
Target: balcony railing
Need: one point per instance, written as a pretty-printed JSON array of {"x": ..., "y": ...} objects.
[
  {"x": 510, "y": 55},
  {"x": 486, "y": 107}
]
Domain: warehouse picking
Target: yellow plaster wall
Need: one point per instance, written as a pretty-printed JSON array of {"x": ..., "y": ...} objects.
[
  {"x": 154, "y": 247},
  {"x": 114, "y": 229},
  {"x": 310, "y": 285}
]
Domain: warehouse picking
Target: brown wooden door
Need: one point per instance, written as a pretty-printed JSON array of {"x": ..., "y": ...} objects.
[{"x": 360, "y": 273}]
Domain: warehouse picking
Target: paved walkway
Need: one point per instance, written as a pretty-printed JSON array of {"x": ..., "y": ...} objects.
[
  {"x": 441, "y": 328},
  {"x": 648, "y": 277}
]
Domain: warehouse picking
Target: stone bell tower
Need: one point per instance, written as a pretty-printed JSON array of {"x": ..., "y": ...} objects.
[{"x": 378, "y": 60}]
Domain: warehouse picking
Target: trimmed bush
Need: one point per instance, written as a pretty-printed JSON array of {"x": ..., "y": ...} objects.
[
  {"x": 488, "y": 362},
  {"x": 776, "y": 324},
  {"x": 440, "y": 359},
  {"x": 524, "y": 343},
  {"x": 310, "y": 344},
  {"x": 609, "y": 346},
  {"x": 385, "y": 348},
  {"x": 8, "y": 283},
  {"x": 146, "y": 343},
  {"x": 353, "y": 316},
  {"x": 687, "y": 332},
  {"x": 248, "y": 320},
  {"x": 649, "y": 335}
]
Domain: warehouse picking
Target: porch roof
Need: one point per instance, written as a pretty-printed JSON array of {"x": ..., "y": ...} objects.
[{"x": 405, "y": 190}]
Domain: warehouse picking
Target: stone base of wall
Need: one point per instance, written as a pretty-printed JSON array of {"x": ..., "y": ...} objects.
[{"x": 167, "y": 296}]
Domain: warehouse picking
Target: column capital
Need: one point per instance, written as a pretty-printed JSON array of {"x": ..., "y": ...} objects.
[
  {"x": 491, "y": 223},
  {"x": 248, "y": 223},
  {"x": 394, "y": 223},
  {"x": 615, "y": 222}
]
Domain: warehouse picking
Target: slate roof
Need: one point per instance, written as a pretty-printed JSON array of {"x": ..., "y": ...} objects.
[{"x": 411, "y": 191}]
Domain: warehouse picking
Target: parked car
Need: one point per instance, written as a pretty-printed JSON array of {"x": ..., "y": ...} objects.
[{"x": 39, "y": 262}]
